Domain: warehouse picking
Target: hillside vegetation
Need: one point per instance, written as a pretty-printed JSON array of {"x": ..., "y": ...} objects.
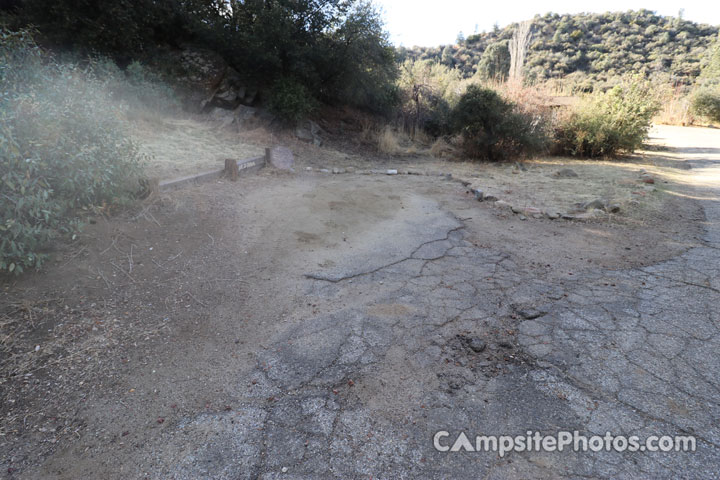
[{"x": 586, "y": 48}]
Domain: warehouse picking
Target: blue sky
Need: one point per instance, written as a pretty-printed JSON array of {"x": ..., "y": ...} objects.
[{"x": 436, "y": 22}]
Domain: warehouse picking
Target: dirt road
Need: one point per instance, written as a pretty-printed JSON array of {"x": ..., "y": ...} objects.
[{"x": 309, "y": 326}]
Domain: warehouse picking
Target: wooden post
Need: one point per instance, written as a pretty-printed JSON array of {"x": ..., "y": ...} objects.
[
  {"x": 231, "y": 169},
  {"x": 268, "y": 156}
]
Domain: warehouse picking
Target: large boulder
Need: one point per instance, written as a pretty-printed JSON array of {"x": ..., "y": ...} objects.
[
  {"x": 202, "y": 72},
  {"x": 310, "y": 132},
  {"x": 230, "y": 92},
  {"x": 210, "y": 82}
]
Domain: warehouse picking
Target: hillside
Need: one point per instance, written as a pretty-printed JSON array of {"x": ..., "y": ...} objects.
[{"x": 595, "y": 47}]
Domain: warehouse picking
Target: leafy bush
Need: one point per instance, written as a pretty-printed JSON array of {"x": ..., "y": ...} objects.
[
  {"x": 609, "y": 123},
  {"x": 706, "y": 103},
  {"x": 290, "y": 100},
  {"x": 62, "y": 150},
  {"x": 493, "y": 128}
]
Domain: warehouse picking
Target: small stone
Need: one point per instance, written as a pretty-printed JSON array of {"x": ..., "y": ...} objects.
[
  {"x": 490, "y": 198},
  {"x": 338, "y": 170},
  {"x": 613, "y": 208},
  {"x": 479, "y": 195},
  {"x": 565, "y": 173},
  {"x": 502, "y": 204},
  {"x": 308, "y": 169},
  {"x": 532, "y": 211},
  {"x": 284, "y": 469},
  {"x": 647, "y": 179},
  {"x": 476, "y": 344},
  {"x": 522, "y": 217},
  {"x": 392, "y": 172},
  {"x": 600, "y": 204},
  {"x": 516, "y": 209},
  {"x": 324, "y": 170},
  {"x": 553, "y": 215}
]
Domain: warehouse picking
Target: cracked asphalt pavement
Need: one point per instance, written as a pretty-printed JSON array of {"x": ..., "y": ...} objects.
[{"x": 372, "y": 340}]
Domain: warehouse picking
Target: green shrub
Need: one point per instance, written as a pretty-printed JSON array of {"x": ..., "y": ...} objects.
[
  {"x": 290, "y": 100},
  {"x": 706, "y": 103},
  {"x": 492, "y": 128},
  {"x": 62, "y": 150},
  {"x": 609, "y": 123}
]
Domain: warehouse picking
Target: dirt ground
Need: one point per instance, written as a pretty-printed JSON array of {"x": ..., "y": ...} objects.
[{"x": 167, "y": 319}]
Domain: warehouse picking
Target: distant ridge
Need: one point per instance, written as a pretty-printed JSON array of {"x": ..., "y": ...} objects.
[{"x": 593, "y": 47}]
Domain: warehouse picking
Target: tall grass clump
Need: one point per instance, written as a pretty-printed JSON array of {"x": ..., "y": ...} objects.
[
  {"x": 63, "y": 150},
  {"x": 609, "y": 123}
]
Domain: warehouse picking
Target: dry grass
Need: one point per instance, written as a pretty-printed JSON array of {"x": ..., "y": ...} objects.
[
  {"x": 442, "y": 149},
  {"x": 388, "y": 142},
  {"x": 675, "y": 108},
  {"x": 183, "y": 146}
]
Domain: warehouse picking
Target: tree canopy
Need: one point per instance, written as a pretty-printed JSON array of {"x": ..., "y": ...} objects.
[{"x": 337, "y": 50}]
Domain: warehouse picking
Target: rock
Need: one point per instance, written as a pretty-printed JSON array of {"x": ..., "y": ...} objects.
[
  {"x": 225, "y": 117},
  {"x": 230, "y": 92},
  {"x": 391, "y": 172},
  {"x": 599, "y": 204},
  {"x": 203, "y": 72},
  {"x": 516, "y": 209},
  {"x": 309, "y": 131},
  {"x": 479, "y": 195},
  {"x": 308, "y": 169},
  {"x": 324, "y": 170},
  {"x": 613, "y": 208},
  {"x": 522, "y": 217},
  {"x": 245, "y": 116},
  {"x": 502, "y": 204},
  {"x": 532, "y": 211},
  {"x": 567, "y": 216},
  {"x": 338, "y": 170},
  {"x": 647, "y": 179},
  {"x": 578, "y": 207},
  {"x": 490, "y": 198},
  {"x": 304, "y": 134},
  {"x": 552, "y": 215},
  {"x": 476, "y": 344},
  {"x": 565, "y": 173},
  {"x": 281, "y": 158}
]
